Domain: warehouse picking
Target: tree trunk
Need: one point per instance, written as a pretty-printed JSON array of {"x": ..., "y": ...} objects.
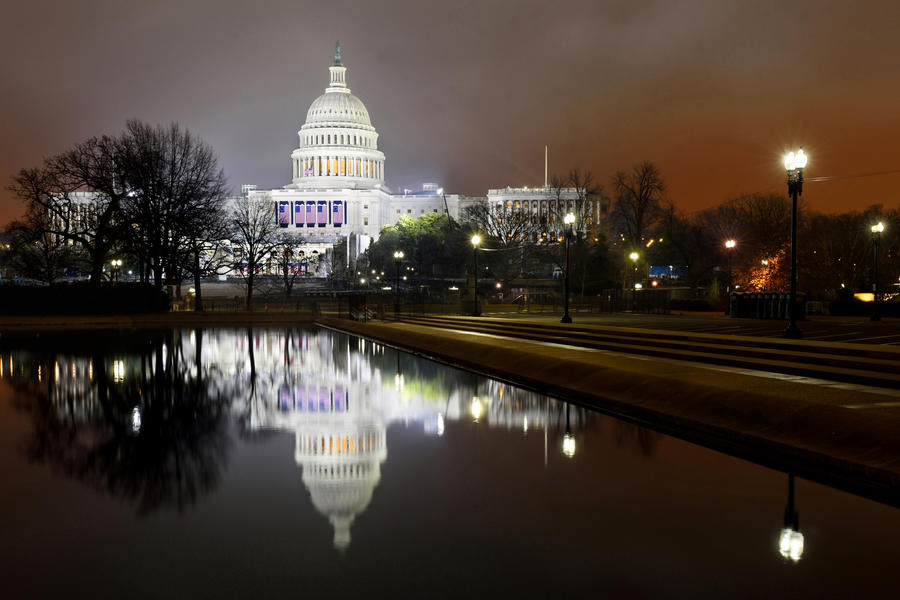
[
  {"x": 249, "y": 290},
  {"x": 96, "y": 273},
  {"x": 198, "y": 296}
]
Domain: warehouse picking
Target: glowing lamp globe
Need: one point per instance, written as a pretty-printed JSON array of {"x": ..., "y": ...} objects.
[
  {"x": 795, "y": 160},
  {"x": 568, "y": 445},
  {"x": 790, "y": 544}
]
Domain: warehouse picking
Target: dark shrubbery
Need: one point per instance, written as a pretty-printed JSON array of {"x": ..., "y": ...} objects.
[
  {"x": 856, "y": 308},
  {"x": 699, "y": 304},
  {"x": 82, "y": 299}
]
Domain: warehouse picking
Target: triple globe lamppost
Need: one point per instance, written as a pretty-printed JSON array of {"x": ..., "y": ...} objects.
[
  {"x": 876, "y": 240},
  {"x": 569, "y": 219},
  {"x": 794, "y": 163},
  {"x": 634, "y": 256},
  {"x": 398, "y": 258},
  {"x": 476, "y": 240}
]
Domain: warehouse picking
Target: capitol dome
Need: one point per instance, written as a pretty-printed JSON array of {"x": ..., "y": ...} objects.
[
  {"x": 338, "y": 109},
  {"x": 338, "y": 144}
]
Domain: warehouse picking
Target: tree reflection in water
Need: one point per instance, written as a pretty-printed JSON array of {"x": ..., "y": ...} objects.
[
  {"x": 147, "y": 430},
  {"x": 146, "y": 417}
]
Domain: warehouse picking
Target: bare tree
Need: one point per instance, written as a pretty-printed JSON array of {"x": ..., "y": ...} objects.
[
  {"x": 175, "y": 203},
  {"x": 254, "y": 239},
  {"x": 638, "y": 201},
  {"x": 506, "y": 226},
  {"x": 37, "y": 252},
  {"x": 95, "y": 222},
  {"x": 288, "y": 254}
]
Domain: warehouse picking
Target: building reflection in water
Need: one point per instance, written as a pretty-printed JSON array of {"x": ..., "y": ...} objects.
[{"x": 337, "y": 395}]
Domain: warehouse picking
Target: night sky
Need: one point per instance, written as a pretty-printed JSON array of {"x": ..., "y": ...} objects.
[{"x": 467, "y": 93}]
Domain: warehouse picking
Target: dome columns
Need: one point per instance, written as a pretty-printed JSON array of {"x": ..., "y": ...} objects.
[{"x": 337, "y": 140}]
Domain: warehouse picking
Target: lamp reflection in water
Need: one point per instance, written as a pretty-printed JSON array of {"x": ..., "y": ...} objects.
[
  {"x": 568, "y": 445},
  {"x": 118, "y": 371},
  {"x": 476, "y": 409},
  {"x": 790, "y": 544},
  {"x": 136, "y": 419}
]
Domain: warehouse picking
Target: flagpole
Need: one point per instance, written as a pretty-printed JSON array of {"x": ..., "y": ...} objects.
[{"x": 545, "y": 166}]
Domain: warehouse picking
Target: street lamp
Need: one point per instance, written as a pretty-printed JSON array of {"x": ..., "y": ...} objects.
[
  {"x": 876, "y": 240},
  {"x": 568, "y": 220},
  {"x": 729, "y": 247},
  {"x": 116, "y": 264},
  {"x": 634, "y": 256},
  {"x": 794, "y": 164},
  {"x": 398, "y": 258},
  {"x": 476, "y": 239}
]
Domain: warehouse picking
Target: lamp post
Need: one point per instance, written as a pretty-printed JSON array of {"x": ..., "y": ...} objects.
[
  {"x": 568, "y": 220},
  {"x": 634, "y": 256},
  {"x": 794, "y": 164},
  {"x": 729, "y": 247},
  {"x": 476, "y": 239},
  {"x": 398, "y": 258},
  {"x": 876, "y": 240},
  {"x": 116, "y": 264}
]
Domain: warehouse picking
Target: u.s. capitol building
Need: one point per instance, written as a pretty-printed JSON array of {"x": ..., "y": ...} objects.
[
  {"x": 337, "y": 187},
  {"x": 338, "y": 190}
]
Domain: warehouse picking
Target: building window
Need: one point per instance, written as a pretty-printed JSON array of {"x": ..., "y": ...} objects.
[
  {"x": 365, "y": 220},
  {"x": 365, "y": 207},
  {"x": 409, "y": 211},
  {"x": 398, "y": 211}
]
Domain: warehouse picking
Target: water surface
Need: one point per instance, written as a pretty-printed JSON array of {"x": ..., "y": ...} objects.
[{"x": 259, "y": 462}]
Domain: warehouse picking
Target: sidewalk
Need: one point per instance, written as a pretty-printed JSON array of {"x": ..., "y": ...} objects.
[{"x": 819, "y": 327}]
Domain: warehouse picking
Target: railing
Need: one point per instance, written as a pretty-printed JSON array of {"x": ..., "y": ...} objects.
[{"x": 383, "y": 305}]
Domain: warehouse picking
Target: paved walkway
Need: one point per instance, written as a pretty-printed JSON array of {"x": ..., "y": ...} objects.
[{"x": 857, "y": 330}]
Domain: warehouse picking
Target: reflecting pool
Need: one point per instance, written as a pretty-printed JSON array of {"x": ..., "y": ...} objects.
[{"x": 217, "y": 463}]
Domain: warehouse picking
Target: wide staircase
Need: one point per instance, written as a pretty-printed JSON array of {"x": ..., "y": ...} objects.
[{"x": 839, "y": 362}]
